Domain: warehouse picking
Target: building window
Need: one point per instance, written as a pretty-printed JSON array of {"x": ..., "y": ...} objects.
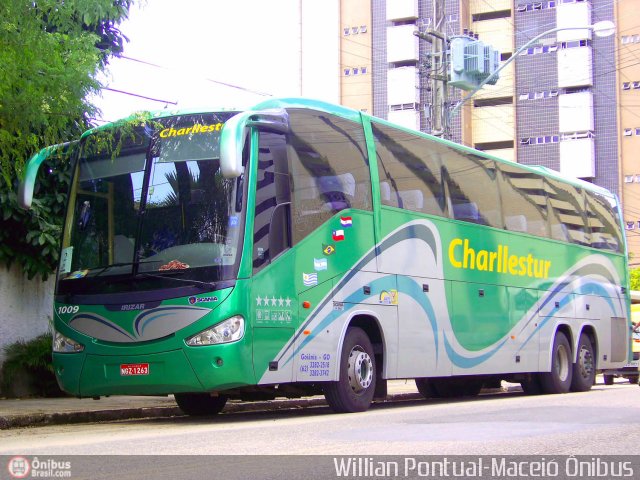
[
  {"x": 626, "y": 85},
  {"x": 628, "y": 132},
  {"x": 535, "y": 6},
  {"x": 363, "y": 70},
  {"x": 575, "y": 44},
  {"x": 346, "y": 30},
  {"x": 347, "y": 71},
  {"x": 492, "y": 102},
  {"x": 629, "y": 178},
  {"x": 630, "y": 225},
  {"x": 493, "y": 15},
  {"x": 363, "y": 29}
]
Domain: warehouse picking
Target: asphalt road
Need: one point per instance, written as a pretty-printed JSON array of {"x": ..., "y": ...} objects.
[{"x": 605, "y": 420}]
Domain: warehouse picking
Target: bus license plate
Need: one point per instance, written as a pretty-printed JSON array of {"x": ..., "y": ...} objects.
[{"x": 130, "y": 369}]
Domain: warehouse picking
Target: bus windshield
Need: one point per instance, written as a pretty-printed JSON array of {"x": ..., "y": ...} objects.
[{"x": 151, "y": 203}]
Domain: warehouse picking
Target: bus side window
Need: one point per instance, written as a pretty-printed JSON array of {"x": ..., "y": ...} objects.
[
  {"x": 567, "y": 208},
  {"x": 605, "y": 228},
  {"x": 409, "y": 172},
  {"x": 473, "y": 189},
  {"x": 329, "y": 169},
  {"x": 272, "y": 223},
  {"x": 524, "y": 202}
]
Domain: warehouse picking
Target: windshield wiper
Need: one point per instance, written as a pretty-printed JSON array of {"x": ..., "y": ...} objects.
[
  {"x": 123, "y": 264},
  {"x": 195, "y": 283}
]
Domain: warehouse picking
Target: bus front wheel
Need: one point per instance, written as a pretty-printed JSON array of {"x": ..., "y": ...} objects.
[
  {"x": 198, "y": 404},
  {"x": 558, "y": 380},
  {"x": 353, "y": 392}
]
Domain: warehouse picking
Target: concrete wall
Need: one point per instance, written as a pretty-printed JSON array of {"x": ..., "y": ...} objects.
[{"x": 25, "y": 306}]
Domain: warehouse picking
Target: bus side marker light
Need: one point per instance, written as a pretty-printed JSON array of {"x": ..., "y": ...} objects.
[
  {"x": 306, "y": 304},
  {"x": 306, "y": 332}
]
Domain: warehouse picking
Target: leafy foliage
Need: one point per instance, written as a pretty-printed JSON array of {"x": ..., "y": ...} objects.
[
  {"x": 33, "y": 359},
  {"x": 50, "y": 53},
  {"x": 634, "y": 278},
  {"x": 31, "y": 238}
]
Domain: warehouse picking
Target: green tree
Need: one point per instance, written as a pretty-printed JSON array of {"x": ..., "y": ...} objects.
[
  {"x": 50, "y": 55},
  {"x": 634, "y": 279}
]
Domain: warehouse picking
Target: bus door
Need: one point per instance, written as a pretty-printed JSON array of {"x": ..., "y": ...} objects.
[{"x": 274, "y": 304}]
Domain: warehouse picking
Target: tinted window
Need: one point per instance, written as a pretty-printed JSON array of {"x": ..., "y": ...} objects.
[
  {"x": 603, "y": 223},
  {"x": 272, "y": 189},
  {"x": 409, "y": 170},
  {"x": 566, "y": 212},
  {"x": 524, "y": 202},
  {"x": 329, "y": 169},
  {"x": 473, "y": 189}
]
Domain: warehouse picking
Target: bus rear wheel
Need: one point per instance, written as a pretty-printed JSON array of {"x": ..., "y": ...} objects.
[
  {"x": 558, "y": 380},
  {"x": 353, "y": 392},
  {"x": 198, "y": 404},
  {"x": 584, "y": 370}
]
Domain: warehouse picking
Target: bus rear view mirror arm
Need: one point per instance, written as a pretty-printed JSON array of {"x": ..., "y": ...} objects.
[
  {"x": 28, "y": 181},
  {"x": 235, "y": 132}
]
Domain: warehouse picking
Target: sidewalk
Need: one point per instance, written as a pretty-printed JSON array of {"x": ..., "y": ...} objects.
[{"x": 56, "y": 411}]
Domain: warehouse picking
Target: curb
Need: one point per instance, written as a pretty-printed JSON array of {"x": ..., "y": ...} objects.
[{"x": 44, "y": 419}]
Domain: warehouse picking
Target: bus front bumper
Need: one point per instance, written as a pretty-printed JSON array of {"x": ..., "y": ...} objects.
[{"x": 176, "y": 371}]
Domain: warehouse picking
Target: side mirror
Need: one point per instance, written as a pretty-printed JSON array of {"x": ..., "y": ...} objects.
[
  {"x": 235, "y": 131},
  {"x": 28, "y": 181}
]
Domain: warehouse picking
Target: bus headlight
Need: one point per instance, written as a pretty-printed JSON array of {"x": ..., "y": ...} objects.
[
  {"x": 230, "y": 330},
  {"x": 62, "y": 344}
]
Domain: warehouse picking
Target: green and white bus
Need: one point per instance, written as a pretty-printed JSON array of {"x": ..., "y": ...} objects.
[{"x": 300, "y": 248}]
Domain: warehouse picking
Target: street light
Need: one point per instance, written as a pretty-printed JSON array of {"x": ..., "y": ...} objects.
[{"x": 604, "y": 28}]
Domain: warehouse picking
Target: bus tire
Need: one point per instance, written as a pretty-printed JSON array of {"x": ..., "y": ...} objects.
[
  {"x": 353, "y": 392},
  {"x": 531, "y": 384},
  {"x": 584, "y": 370},
  {"x": 425, "y": 387},
  {"x": 558, "y": 380},
  {"x": 198, "y": 404},
  {"x": 452, "y": 387}
]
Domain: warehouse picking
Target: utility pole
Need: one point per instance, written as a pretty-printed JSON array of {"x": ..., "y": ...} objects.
[{"x": 437, "y": 71}]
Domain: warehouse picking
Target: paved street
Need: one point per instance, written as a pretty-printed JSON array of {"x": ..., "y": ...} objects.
[{"x": 603, "y": 421}]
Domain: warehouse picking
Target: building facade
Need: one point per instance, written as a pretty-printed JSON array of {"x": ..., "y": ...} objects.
[
  {"x": 628, "y": 87},
  {"x": 566, "y": 102}
]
